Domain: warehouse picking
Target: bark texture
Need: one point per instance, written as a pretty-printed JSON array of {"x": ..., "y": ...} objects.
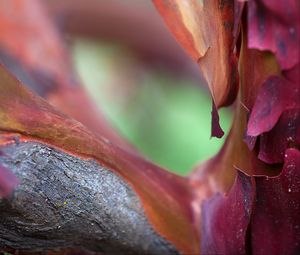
[{"x": 63, "y": 201}]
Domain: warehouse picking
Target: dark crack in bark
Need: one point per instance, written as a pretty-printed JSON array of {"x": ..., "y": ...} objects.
[{"x": 64, "y": 201}]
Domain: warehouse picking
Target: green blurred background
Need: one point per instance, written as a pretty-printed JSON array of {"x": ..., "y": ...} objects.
[{"x": 166, "y": 116}]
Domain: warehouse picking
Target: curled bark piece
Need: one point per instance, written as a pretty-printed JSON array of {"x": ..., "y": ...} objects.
[
  {"x": 219, "y": 235},
  {"x": 274, "y": 26},
  {"x": 276, "y": 210},
  {"x": 63, "y": 201},
  {"x": 205, "y": 30}
]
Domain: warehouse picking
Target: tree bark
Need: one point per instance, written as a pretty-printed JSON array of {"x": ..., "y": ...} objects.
[{"x": 63, "y": 201}]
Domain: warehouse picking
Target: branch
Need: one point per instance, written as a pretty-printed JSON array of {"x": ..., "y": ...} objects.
[{"x": 64, "y": 201}]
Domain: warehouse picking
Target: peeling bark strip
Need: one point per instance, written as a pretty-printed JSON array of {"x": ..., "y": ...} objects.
[{"x": 63, "y": 201}]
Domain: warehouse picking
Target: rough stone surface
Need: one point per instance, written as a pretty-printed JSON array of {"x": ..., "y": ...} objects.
[{"x": 64, "y": 201}]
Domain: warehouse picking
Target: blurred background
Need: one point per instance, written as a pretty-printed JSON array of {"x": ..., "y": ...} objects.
[
  {"x": 132, "y": 68},
  {"x": 166, "y": 116},
  {"x": 145, "y": 84}
]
